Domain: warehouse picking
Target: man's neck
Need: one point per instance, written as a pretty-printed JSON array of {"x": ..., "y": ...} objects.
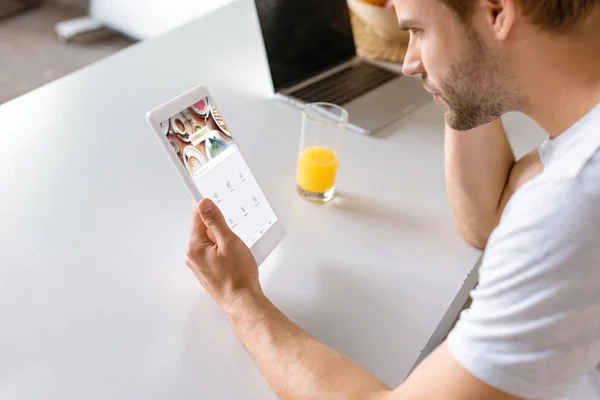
[{"x": 561, "y": 79}]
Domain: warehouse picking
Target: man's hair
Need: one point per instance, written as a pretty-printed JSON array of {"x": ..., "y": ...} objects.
[{"x": 552, "y": 15}]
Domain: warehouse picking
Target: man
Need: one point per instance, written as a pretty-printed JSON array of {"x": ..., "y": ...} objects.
[{"x": 533, "y": 330}]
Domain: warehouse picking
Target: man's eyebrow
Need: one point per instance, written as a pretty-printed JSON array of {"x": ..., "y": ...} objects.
[{"x": 406, "y": 24}]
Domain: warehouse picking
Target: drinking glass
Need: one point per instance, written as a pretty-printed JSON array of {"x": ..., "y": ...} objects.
[{"x": 323, "y": 131}]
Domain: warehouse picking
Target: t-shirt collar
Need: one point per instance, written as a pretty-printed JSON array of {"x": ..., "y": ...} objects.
[{"x": 571, "y": 150}]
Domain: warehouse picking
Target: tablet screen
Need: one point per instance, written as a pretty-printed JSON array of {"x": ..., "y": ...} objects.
[{"x": 203, "y": 144}]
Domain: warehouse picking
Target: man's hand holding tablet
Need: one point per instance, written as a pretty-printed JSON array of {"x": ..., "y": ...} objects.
[{"x": 220, "y": 260}]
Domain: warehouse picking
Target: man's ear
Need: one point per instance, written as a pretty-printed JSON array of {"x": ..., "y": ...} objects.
[{"x": 500, "y": 16}]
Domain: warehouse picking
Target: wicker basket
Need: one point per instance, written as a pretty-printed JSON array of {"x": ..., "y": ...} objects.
[{"x": 376, "y": 32}]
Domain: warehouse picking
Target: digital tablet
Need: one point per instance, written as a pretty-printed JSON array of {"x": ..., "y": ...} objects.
[{"x": 197, "y": 139}]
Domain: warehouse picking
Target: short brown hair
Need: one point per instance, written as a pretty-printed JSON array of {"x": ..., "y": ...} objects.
[{"x": 552, "y": 15}]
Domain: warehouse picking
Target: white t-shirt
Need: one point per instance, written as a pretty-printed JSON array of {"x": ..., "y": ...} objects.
[{"x": 533, "y": 329}]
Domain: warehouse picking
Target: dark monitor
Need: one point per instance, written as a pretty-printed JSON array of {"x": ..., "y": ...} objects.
[{"x": 304, "y": 37}]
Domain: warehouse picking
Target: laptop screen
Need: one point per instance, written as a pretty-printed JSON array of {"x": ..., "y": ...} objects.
[{"x": 304, "y": 37}]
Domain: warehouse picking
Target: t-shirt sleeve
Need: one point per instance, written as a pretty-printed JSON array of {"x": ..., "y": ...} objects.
[{"x": 533, "y": 329}]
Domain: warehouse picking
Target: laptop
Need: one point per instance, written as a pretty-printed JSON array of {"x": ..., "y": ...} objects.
[{"x": 312, "y": 58}]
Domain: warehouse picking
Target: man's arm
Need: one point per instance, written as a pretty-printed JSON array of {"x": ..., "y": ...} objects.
[
  {"x": 295, "y": 364},
  {"x": 481, "y": 176},
  {"x": 299, "y": 367}
]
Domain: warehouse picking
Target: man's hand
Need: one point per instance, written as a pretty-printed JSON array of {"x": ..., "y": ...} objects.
[{"x": 221, "y": 261}]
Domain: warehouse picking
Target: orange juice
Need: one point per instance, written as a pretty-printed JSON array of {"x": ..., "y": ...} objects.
[{"x": 317, "y": 168}]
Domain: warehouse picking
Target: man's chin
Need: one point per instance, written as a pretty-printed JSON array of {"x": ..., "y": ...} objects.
[
  {"x": 455, "y": 120},
  {"x": 465, "y": 122},
  {"x": 457, "y": 123}
]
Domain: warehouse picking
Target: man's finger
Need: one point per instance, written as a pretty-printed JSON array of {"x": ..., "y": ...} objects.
[
  {"x": 198, "y": 230},
  {"x": 214, "y": 220}
]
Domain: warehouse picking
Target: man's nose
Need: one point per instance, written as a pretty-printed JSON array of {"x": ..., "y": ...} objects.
[{"x": 412, "y": 61}]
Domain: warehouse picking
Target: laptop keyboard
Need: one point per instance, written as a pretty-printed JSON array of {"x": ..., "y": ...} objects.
[{"x": 346, "y": 85}]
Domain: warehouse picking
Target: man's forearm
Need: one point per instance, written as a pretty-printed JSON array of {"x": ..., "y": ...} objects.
[
  {"x": 478, "y": 164},
  {"x": 295, "y": 364}
]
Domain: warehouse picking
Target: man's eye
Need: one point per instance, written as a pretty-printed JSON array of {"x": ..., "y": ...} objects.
[{"x": 414, "y": 30}]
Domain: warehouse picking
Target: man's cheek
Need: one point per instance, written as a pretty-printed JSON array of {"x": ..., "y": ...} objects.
[{"x": 434, "y": 70}]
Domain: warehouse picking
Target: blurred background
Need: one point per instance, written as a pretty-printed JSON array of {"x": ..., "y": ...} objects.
[
  {"x": 42, "y": 40},
  {"x": 31, "y": 53}
]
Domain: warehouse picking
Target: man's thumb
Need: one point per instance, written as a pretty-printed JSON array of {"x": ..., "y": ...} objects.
[{"x": 213, "y": 219}]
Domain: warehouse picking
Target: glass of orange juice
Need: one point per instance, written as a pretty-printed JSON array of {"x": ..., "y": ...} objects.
[{"x": 323, "y": 131}]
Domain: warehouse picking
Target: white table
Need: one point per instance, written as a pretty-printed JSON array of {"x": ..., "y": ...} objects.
[{"x": 95, "y": 301}]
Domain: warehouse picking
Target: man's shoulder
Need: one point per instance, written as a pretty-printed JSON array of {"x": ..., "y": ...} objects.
[
  {"x": 553, "y": 211},
  {"x": 555, "y": 193}
]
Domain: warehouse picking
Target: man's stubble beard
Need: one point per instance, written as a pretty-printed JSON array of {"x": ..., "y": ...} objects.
[{"x": 478, "y": 90}]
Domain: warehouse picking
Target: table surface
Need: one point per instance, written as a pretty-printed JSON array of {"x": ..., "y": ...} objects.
[{"x": 95, "y": 299}]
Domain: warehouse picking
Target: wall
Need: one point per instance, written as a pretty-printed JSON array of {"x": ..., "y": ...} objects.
[{"x": 142, "y": 19}]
